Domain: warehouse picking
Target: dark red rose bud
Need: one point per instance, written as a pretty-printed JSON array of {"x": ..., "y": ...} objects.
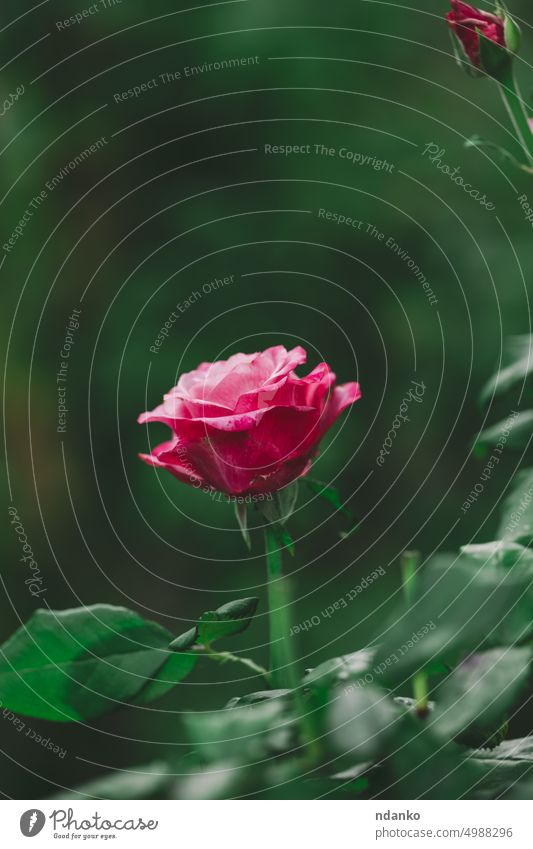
[
  {"x": 467, "y": 22},
  {"x": 487, "y": 40}
]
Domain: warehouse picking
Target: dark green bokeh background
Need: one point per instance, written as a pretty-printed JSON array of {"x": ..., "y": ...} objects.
[{"x": 184, "y": 194}]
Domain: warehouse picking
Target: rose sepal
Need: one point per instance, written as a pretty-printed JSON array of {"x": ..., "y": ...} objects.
[
  {"x": 513, "y": 34},
  {"x": 241, "y": 513},
  {"x": 496, "y": 61},
  {"x": 511, "y": 30},
  {"x": 279, "y": 510}
]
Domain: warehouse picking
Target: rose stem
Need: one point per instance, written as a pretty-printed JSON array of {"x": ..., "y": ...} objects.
[
  {"x": 515, "y": 107},
  {"x": 282, "y": 664},
  {"x": 283, "y": 672},
  {"x": 410, "y": 563}
]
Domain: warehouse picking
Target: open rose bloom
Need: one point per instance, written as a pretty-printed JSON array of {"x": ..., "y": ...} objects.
[
  {"x": 466, "y": 22},
  {"x": 248, "y": 425}
]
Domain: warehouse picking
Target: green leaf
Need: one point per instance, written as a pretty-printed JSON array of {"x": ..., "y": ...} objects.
[
  {"x": 483, "y": 599},
  {"x": 220, "y": 780},
  {"x": 516, "y": 523},
  {"x": 360, "y": 722},
  {"x": 480, "y": 690},
  {"x": 507, "y": 567},
  {"x": 332, "y": 496},
  {"x": 329, "y": 494},
  {"x": 255, "y": 698},
  {"x": 504, "y": 772},
  {"x": 231, "y": 618},
  {"x": 520, "y": 433},
  {"x": 185, "y": 641},
  {"x": 516, "y": 367},
  {"x": 341, "y": 670},
  {"x": 498, "y": 553},
  {"x": 175, "y": 668},
  {"x": 241, "y": 734},
  {"x": 239, "y": 753},
  {"x": 423, "y": 767},
  {"x": 149, "y": 781},
  {"x": 79, "y": 664},
  {"x": 284, "y": 539}
]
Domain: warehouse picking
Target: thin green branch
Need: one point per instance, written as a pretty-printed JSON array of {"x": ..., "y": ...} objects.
[
  {"x": 410, "y": 564},
  {"x": 282, "y": 663},
  {"x": 514, "y": 104},
  {"x": 228, "y": 657}
]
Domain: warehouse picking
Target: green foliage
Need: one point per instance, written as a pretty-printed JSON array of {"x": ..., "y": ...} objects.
[
  {"x": 347, "y": 731},
  {"x": 508, "y": 391},
  {"x": 81, "y": 664},
  {"x": 481, "y": 599}
]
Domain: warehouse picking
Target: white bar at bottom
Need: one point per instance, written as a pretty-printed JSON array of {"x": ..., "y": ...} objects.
[{"x": 239, "y": 824}]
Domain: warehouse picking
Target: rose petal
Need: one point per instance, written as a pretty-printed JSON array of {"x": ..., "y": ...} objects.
[
  {"x": 249, "y": 423},
  {"x": 166, "y": 456}
]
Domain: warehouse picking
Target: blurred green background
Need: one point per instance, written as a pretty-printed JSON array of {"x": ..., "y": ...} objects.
[{"x": 181, "y": 192}]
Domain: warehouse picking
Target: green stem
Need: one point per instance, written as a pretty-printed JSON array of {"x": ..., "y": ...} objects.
[
  {"x": 410, "y": 564},
  {"x": 421, "y": 693},
  {"x": 514, "y": 104},
  {"x": 283, "y": 672},
  {"x": 282, "y": 665},
  {"x": 227, "y": 656}
]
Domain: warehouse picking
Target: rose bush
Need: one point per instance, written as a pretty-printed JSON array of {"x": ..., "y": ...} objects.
[
  {"x": 249, "y": 424},
  {"x": 485, "y": 44},
  {"x": 421, "y": 709}
]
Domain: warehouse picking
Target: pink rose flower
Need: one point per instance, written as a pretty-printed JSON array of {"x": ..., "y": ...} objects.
[
  {"x": 466, "y": 22},
  {"x": 247, "y": 425}
]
